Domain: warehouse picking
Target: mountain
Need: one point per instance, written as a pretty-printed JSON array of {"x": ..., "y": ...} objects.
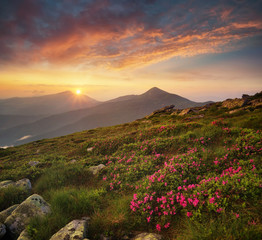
[
  {"x": 179, "y": 164},
  {"x": 105, "y": 114},
  {"x": 45, "y": 105},
  {"x": 8, "y": 121}
]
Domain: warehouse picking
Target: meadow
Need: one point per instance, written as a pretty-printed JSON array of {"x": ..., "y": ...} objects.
[{"x": 192, "y": 176}]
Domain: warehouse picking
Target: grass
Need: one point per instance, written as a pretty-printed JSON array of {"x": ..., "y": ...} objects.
[{"x": 193, "y": 178}]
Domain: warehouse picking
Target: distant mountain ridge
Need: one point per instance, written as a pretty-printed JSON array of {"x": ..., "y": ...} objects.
[
  {"x": 45, "y": 105},
  {"x": 117, "y": 111}
]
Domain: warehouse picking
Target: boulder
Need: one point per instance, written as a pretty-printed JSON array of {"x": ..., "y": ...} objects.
[
  {"x": 6, "y": 183},
  {"x": 233, "y": 103},
  {"x": 7, "y": 212},
  {"x": 96, "y": 169},
  {"x": 33, "y": 206},
  {"x": 90, "y": 149},
  {"x": 147, "y": 236},
  {"x": 24, "y": 184},
  {"x": 33, "y": 163},
  {"x": 187, "y": 111},
  {"x": 77, "y": 229},
  {"x": 24, "y": 236},
  {"x": 2, "y": 230}
]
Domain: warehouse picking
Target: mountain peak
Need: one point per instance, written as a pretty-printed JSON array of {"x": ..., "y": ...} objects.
[{"x": 155, "y": 91}]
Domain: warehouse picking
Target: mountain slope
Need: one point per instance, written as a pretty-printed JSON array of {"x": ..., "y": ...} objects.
[
  {"x": 8, "y": 121},
  {"x": 45, "y": 105},
  {"x": 183, "y": 175},
  {"x": 105, "y": 114}
]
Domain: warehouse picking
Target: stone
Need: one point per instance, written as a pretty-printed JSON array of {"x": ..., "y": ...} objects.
[
  {"x": 90, "y": 149},
  {"x": 6, "y": 183},
  {"x": 33, "y": 206},
  {"x": 24, "y": 184},
  {"x": 148, "y": 236},
  {"x": 186, "y": 111},
  {"x": 233, "y": 103},
  {"x": 2, "y": 230},
  {"x": 24, "y": 236},
  {"x": 7, "y": 212},
  {"x": 96, "y": 169},
  {"x": 77, "y": 229},
  {"x": 33, "y": 163}
]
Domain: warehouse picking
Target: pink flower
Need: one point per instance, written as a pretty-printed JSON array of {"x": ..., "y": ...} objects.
[
  {"x": 167, "y": 225},
  {"x": 212, "y": 200},
  {"x": 219, "y": 210},
  {"x": 179, "y": 188},
  {"x": 195, "y": 202},
  {"x": 189, "y": 214},
  {"x": 148, "y": 219},
  {"x": 158, "y": 227}
]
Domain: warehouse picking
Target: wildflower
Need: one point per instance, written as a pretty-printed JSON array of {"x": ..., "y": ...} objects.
[
  {"x": 212, "y": 200},
  {"x": 158, "y": 227},
  {"x": 167, "y": 225},
  {"x": 189, "y": 214}
]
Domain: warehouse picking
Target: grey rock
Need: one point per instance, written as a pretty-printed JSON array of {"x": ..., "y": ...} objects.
[
  {"x": 24, "y": 184},
  {"x": 6, "y": 183},
  {"x": 24, "y": 236},
  {"x": 7, "y": 212},
  {"x": 2, "y": 230},
  {"x": 90, "y": 149},
  {"x": 77, "y": 229},
  {"x": 33, "y": 206},
  {"x": 95, "y": 169},
  {"x": 187, "y": 111},
  {"x": 148, "y": 236},
  {"x": 33, "y": 163}
]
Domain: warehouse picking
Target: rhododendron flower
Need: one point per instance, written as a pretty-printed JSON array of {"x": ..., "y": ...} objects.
[
  {"x": 189, "y": 214},
  {"x": 219, "y": 210},
  {"x": 167, "y": 225},
  {"x": 158, "y": 227}
]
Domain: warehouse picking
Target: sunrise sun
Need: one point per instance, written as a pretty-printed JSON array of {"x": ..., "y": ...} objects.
[{"x": 78, "y": 91}]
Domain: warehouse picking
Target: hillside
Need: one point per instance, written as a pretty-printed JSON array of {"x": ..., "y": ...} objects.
[
  {"x": 184, "y": 174},
  {"x": 117, "y": 111}
]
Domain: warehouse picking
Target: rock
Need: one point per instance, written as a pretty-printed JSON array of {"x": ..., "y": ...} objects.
[
  {"x": 24, "y": 236},
  {"x": 232, "y": 103},
  {"x": 90, "y": 149},
  {"x": 77, "y": 229},
  {"x": 7, "y": 212},
  {"x": 33, "y": 163},
  {"x": 96, "y": 169},
  {"x": 2, "y": 230},
  {"x": 6, "y": 183},
  {"x": 164, "y": 109},
  {"x": 147, "y": 236},
  {"x": 24, "y": 184},
  {"x": 33, "y": 206},
  {"x": 186, "y": 111}
]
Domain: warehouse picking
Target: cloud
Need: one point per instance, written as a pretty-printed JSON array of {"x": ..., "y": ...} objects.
[
  {"x": 24, "y": 137},
  {"x": 119, "y": 34}
]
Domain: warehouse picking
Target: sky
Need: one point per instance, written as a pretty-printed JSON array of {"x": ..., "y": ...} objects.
[{"x": 202, "y": 50}]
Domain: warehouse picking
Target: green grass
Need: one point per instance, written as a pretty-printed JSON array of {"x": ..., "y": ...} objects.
[{"x": 140, "y": 158}]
